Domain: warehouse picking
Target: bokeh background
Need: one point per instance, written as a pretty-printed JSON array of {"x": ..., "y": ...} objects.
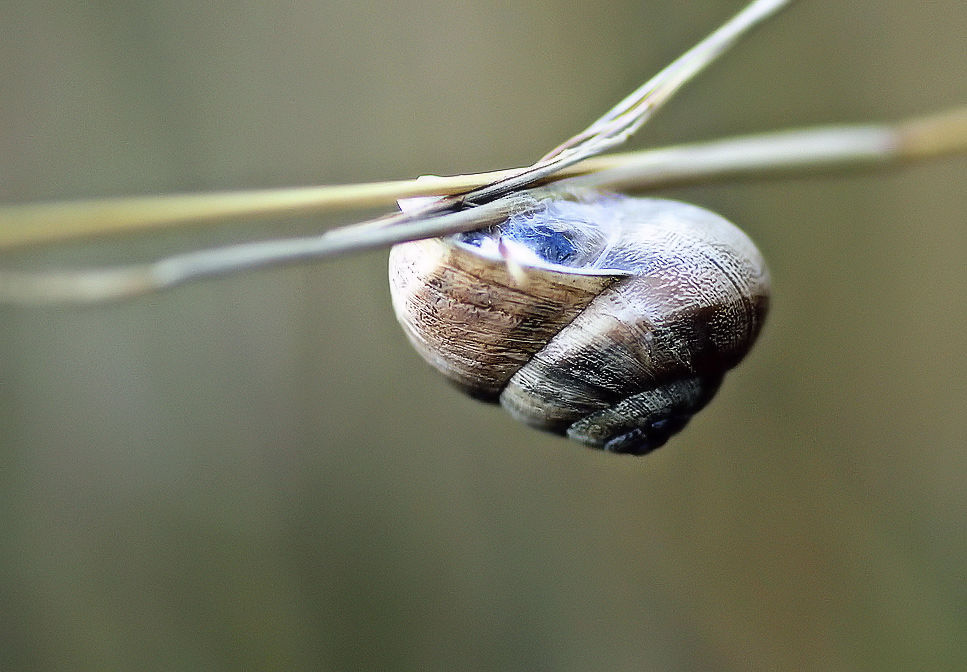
[{"x": 256, "y": 472}]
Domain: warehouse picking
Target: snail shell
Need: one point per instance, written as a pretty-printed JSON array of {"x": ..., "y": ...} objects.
[{"x": 607, "y": 318}]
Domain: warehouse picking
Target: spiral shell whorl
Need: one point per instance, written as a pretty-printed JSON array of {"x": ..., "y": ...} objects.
[{"x": 617, "y": 353}]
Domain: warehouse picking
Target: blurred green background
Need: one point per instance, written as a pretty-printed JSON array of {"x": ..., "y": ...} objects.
[{"x": 256, "y": 472}]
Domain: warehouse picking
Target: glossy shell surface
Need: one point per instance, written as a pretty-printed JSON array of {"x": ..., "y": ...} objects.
[{"x": 607, "y": 318}]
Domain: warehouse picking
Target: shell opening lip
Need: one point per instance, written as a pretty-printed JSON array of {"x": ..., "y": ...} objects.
[
  {"x": 578, "y": 234},
  {"x": 492, "y": 254}
]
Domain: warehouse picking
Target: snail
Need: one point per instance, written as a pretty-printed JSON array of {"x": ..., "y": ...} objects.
[{"x": 607, "y": 318}]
